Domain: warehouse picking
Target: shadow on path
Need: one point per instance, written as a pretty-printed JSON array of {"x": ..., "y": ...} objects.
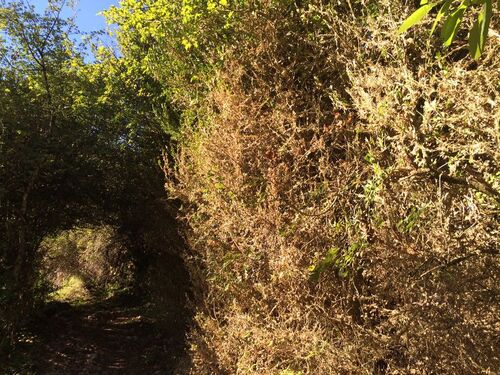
[{"x": 106, "y": 338}]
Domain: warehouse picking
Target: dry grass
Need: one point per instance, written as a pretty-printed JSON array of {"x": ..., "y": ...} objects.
[{"x": 343, "y": 202}]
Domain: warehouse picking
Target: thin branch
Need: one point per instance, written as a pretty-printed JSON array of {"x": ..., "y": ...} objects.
[
  {"x": 57, "y": 18},
  {"x": 451, "y": 263}
]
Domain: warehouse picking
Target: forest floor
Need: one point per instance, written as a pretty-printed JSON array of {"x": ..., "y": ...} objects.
[{"x": 100, "y": 338}]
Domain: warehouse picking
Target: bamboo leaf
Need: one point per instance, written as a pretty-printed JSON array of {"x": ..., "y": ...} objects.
[
  {"x": 479, "y": 31},
  {"x": 444, "y": 10},
  {"x": 416, "y": 17},
  {"x": 451, "y": 25}
]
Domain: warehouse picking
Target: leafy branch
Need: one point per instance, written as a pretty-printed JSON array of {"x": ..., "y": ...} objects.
[{"x": 453, "y": 15}]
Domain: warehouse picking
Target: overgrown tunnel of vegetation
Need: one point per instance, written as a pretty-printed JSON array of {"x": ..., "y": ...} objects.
[
  {"x": 99, "y": 314},
  {"x": 261, "y": 187},
  {"x": 82, "y": 264},
  {"x": 91, "y": 275}
]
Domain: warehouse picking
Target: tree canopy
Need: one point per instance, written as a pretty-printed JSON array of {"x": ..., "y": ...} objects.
[{"x": 79, "y": 142}]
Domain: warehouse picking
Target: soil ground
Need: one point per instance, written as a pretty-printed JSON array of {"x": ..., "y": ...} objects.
[{"x": 100, "y": 338}]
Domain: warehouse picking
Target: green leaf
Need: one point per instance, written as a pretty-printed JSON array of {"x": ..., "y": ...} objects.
[
  {"x": 451, "y": 25},
  {"x": 416, "y": 17},
  {"x": 322, "y": 266},
  {"x": 444, "y": 10},
  {"x": 3, "y": 18},
  {"x": 479, "y": 31}
]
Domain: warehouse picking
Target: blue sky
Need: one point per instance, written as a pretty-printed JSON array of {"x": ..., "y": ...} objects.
[{"x": 87, "y": 18}]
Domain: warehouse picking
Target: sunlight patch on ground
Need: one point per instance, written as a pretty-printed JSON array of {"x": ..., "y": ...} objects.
[{"x": 72, "y": 290}]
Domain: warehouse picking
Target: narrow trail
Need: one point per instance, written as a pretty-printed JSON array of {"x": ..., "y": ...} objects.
[{"x": 105, "y": 338}]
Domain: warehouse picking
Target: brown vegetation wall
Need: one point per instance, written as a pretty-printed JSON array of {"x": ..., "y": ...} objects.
[{"x": 343, "y": 202}]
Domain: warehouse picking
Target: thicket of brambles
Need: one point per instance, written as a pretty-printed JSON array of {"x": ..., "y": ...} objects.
[{"x": 339, "y": 180}]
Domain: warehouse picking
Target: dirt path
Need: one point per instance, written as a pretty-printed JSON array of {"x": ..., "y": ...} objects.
[{"x": 101, "y": 339}]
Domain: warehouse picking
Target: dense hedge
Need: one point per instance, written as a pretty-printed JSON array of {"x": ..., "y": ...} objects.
[{"x": 340, "y": 186}]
